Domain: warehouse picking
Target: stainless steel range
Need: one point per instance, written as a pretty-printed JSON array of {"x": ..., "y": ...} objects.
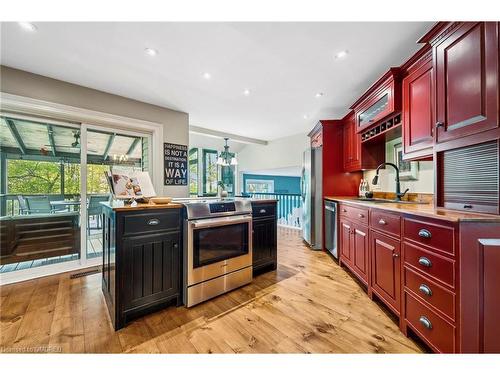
[{"x": 217, "y": 248}]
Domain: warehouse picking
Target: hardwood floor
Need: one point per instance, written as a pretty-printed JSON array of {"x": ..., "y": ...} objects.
[{"x": 309, "y": 305}]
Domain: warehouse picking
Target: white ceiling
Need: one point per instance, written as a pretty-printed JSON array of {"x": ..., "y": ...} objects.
[{"x": 283, "y": 64}]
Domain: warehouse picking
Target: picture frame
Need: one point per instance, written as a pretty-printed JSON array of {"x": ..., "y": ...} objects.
[{"x": 408, "y": 170}]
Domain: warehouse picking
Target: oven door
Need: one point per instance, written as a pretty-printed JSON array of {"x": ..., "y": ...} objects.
[{"x": 218, "y": 246}]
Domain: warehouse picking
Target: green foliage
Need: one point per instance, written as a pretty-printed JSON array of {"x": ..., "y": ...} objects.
[{"x": 40, "y": 177}]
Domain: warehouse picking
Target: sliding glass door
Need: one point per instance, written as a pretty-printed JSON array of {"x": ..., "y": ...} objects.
[
  {"x": 52, "y": 185},
  {"x": 40, "y": 193}
]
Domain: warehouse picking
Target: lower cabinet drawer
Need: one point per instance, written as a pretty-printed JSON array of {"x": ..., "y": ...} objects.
[
  {"x": 440, "y": 298},
  {"x": 151, "y": 221},
  {"x": 354, "y": 213},
  {"x": 431, "y": 264},
  {"x": 438, "y": 333}
]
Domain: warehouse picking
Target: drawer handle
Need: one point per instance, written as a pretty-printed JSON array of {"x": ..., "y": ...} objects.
[
  {"x": 361, "y": 215},
  {"x": 382, "y": 222},
  {"x": 425, "y": 322},
  {"x": 153, "y": 221},
  {"x": 424, "y": 262},
  {"x": 395, "y": 255},
  {"x": 425, "y": 290},
  {"x": 262, "y": 211},
  {"x": 344, "y": 210},
  {"x": 468, "y": 206},
  {"x": 424, "y": 233}
]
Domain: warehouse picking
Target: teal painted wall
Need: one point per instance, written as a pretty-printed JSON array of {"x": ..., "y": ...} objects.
[{"x": 282, "y": 184}]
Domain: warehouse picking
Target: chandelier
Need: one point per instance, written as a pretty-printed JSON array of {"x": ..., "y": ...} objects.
[{"x": 225, "y": 158}]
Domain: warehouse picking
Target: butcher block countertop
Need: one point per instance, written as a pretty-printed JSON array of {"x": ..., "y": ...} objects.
[
  {"x": 427, "y": 210},
  {"x": 118, "y": 206}
]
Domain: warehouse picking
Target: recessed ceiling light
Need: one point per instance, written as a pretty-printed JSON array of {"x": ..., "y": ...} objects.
[
  {"x": 151, "y": 51},
  {"x": 246, "y": 92},
  {"x": 341, "y": 54},
  {"x": 207, "y": 75},
  {"x": 28, "y": 26},
  {"x": 319, "y": 94},
  {"x": 305, "y": 117}
]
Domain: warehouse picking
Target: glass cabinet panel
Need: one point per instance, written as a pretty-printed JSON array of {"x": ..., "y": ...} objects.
[{"x": 369, "y": 115}]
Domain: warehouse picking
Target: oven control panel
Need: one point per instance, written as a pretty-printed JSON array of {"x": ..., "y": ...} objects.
[{"x": 221, "y": 207}]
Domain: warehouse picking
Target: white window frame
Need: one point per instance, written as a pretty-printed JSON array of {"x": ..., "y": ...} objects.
[{"x": 86, "y": 119}]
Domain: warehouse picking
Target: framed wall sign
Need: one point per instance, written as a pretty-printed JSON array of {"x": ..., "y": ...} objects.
[
  {"x": 175, "y": 164},
  {"x": 408, "y": 170}
]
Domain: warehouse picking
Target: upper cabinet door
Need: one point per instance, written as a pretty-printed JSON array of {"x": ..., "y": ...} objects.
[
  {"x": 418, "y": 119},
  {"x": 466, "y": 64}
]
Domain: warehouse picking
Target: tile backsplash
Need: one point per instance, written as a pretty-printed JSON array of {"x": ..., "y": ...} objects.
[{"x": 424, "y": 183}]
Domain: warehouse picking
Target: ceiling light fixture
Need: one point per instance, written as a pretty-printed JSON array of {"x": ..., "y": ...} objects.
[
  {"x": 225, "y": 158},
  {"x": 319, "y": 94},
  {"x": 207, "y": 75},
  {"x": 28, "y": 26},
  {"x": 341, "y": 54},
  {"x": 151, "y": 51},
  {"x": 246, "y": 92}
]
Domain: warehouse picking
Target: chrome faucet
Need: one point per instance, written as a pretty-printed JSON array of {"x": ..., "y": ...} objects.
[{"x": 399, "y": 195}]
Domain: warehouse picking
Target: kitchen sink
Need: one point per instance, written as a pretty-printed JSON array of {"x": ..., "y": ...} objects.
[{"x": 379, "y": 200}]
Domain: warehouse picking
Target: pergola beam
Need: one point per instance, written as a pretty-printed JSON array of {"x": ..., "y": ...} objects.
[
  {"x": 50, "y": 132},
  {"x": 108, "y": 146},
  {"x": 133, "y": 146},
  {"x": 15, "y": 134}
]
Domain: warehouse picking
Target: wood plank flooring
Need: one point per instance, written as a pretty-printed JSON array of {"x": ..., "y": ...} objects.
[{"x": 309, "y": 305}]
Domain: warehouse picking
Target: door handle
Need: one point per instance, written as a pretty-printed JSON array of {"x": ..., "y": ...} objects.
[
  {"x": 424, "y": 233},
  {"x": 424, "y": 262},
  {"x": 425, "y": 290},
  {"x": 425, "y": 322}
]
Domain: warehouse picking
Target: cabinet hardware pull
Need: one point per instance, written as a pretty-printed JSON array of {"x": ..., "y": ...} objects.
[
  {"x": 439, "y": 124},
  {"x": 153, "y": 221},
  {"x": 382, "y": 222},
  {"x": 425, "y": 290},
  {"x": 425, "y": 322},
  {"x": 361, "y": 215},
  {"x": 395, "y": 255},
  {"x": 176, "y": 246},
  {"x": 344, "y": 210},
  {"x": 262, "y": 211},
  {"x": 467, "y": 205},
  {"x": 424, "y": 233},
  {"x": 424, "y": 262}
]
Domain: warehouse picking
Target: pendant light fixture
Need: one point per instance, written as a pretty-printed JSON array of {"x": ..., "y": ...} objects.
[{"x": 225, "y": 158}]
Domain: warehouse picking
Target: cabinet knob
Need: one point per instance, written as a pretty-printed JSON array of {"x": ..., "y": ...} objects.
[
  {"x": 395, "y": 255},
  {"x": 425, "y": 322},
  {"x": 361, "y": 215},
  {"x": 382, "y": 222},
  {"x": 439, "y": 124},
  {"x": 344, "y": 210},
  {"x": 425, "y": 290},
  {"x": 424, "y": 233},
  {"x": 424, "y": 262},
  {"x": 176, "y": 246}
]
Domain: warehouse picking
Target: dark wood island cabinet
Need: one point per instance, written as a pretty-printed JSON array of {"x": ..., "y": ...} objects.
[
  {"x": 264, "y": 236},
  {"x": 142, "y": 260}
]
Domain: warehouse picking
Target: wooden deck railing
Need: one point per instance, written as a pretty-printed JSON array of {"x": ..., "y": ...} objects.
[{"x": 289, "y": 207}]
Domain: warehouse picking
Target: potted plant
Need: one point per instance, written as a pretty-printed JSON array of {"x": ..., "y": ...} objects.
[{"x": 223, "y": 191}]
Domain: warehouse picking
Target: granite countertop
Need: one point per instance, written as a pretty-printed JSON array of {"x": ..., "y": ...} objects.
[{"x": 427, "y": 210}]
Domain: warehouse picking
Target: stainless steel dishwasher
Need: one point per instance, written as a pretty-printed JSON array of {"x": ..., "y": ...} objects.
[{"x": 331, "y": 227}]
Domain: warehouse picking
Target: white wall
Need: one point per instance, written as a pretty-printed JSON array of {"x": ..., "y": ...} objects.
[
  {"x": 424, "y": 184},
  {"x": 278, "y": 154}
]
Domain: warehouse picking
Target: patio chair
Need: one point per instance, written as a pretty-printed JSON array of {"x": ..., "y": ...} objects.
[
  {"x": 23, "y": 206},
  {"x": 39, "y": 205},
  {"x": 94, "y": 208}
]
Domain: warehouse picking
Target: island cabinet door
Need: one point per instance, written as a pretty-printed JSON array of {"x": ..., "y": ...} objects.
[
  {"x": 386, "y": 268},
  {"x": 346, "y": 244},
  {"x": 151, "y": 270},
  {"x": 466, "y": 64},
  {"x": 360, "y": 251},
  {"x": 418, "y": 121},
  {"x": 264, "y": 242}
]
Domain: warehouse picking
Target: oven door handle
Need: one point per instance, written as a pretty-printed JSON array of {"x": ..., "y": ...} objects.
[{"x": 211, "y": 223}]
